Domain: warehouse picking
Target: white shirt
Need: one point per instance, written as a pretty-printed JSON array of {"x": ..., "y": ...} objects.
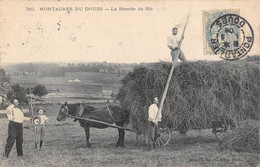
[
  {"x": 14, "y": 114},
  {"x": 44, "y": 119},
  {"x": 152, "y": 113},
  {"x": 173, "y": 42}
]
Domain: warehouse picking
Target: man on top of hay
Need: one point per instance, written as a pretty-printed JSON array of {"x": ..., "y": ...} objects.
[
  {"x": 153, "y": 119},
  {"x": 173, "y": 44}
]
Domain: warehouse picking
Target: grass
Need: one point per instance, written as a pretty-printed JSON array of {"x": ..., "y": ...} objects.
[{"x": 65, "y": 146}]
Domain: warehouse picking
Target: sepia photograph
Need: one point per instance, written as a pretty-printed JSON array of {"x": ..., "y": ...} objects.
[{"x": 109, "y": 83}]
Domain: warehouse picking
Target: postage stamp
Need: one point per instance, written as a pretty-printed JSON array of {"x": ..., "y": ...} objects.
[{"x": 226, "y": 34}]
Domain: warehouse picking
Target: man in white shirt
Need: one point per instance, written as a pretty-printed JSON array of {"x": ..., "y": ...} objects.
[
  {"x": 173, "y": 44},
  {"x": 153, "y": 119},
  {"x": 15, "y": 128}
]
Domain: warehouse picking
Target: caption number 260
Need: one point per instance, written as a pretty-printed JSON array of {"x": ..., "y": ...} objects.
[{"x": 29, "y": 9}]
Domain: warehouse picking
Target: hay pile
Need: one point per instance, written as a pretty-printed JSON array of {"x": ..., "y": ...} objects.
[
  {"x": 244, "y": 138},
  {"x": 198, "y": 94}
]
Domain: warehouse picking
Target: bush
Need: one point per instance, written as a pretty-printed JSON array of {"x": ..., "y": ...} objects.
[
  {"x": 40, "y": 90},
  {"x": 18, "y": 93},
  {"x": 3, "y": 77}
]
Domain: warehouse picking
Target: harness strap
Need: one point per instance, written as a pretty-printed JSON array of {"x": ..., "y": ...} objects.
[
  {"x": 12, "y": 114},
  {"x": 79, "y": 113},
  {"x": 81, "y": 109},
  {"x": 109, "y": 111}
]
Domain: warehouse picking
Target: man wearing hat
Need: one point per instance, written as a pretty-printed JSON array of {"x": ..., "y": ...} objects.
[
  {"x": 173, "y": 44},
  {"x": 15, "y": 128},
  {"x": 40, "y": 130}
]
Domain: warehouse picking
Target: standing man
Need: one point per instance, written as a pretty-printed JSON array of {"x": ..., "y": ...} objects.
[
  {"x": 15, "y": 128},
  {"x": 153, "y": 119},
  {"x": 173, "y": 44}
]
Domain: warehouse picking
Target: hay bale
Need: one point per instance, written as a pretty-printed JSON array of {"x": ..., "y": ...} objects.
[
  {"x": 199, "y": 92},
  {"x": 244, "y": 138}
]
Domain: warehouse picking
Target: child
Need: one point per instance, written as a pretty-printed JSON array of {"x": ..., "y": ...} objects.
[{"x": 40, "y": 130}]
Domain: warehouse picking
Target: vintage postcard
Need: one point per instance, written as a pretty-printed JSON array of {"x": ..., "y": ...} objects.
[{"x": 129, "y": 83}]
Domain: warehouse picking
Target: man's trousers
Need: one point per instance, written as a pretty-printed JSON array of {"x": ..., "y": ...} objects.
[
  {"x": 152, "y": 134},
  {"x": 179, "y": 53},
  {"x": 40, "y": 131},
  {"x": 15, "y": 133}
]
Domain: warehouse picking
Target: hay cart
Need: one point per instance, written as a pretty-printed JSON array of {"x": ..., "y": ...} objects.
[
  {"x": 219, "y": 128},
  {"x": 164, "y": 132}
]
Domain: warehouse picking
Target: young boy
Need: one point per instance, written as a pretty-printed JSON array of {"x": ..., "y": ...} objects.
[{"x": 40, "y": 130}]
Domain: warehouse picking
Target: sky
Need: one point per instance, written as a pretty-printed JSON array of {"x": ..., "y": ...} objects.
[{"x": 112, "y": 36}]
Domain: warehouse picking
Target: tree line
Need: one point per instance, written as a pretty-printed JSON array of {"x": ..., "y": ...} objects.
[{"x": 59, "y": 70}]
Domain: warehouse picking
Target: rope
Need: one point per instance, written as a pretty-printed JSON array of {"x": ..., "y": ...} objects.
[{"x": 109, "y": 111}]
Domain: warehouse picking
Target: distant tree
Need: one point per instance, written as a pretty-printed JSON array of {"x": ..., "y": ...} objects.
[
  {"x": 10, "y": 95},
  {"x": 113, "y": 95},
  {"x": 56, "y": 72},
  {"x": 28, "y": 90},
  {"x": 3, "y": 77},
  {"x": 119, "y": 74},
  {"x": 40, "y": 90},
  {"x": 110, "y": 68},
  {"x": 124, "y": 72},
  {"x": 18, "y": 93}
]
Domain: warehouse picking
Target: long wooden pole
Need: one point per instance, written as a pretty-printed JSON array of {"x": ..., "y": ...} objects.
[
  {"x": 31, "y": 105},
  {"x": 101, "y": 122},
  {"x": 171, "y": 71}
]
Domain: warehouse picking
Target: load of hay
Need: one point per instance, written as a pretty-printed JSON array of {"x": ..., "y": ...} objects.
[
  {"x": 244, "y": 138},
  {"x": 199, "y": 93}
]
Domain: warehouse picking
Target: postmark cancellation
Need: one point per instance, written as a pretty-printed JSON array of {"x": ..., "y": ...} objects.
[{"x": 226, "y": 34}]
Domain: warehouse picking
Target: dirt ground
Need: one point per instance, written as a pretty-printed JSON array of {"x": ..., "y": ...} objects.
[{"x": 65, "y": 146}]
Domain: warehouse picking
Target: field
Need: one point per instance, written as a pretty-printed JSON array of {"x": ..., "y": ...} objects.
[
  {"x": 91, "y": 84},
  {"x": 65, "y": 146},
  {"x": 90, "y": 78}
]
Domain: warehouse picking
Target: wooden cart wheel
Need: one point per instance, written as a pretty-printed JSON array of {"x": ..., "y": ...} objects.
[
  {"x": 141, "y": 139},
  {"x": 163, "y": 137},
  {"x": 222, "y": 131}
]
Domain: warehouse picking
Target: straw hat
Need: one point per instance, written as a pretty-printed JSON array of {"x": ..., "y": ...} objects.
[{"x": 36, "y": 120}]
